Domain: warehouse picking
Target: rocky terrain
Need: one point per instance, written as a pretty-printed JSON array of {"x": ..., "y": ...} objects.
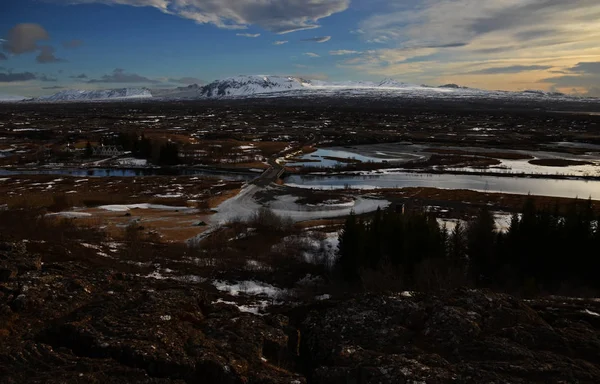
[{"x": 76, "y": 322}]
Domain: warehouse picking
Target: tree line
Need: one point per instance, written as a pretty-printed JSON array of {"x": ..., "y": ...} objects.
[
  {"x": 159, "y": 152},
  {"x": 544, "y": 250}
]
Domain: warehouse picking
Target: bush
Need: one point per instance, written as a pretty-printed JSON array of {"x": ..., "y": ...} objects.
[{"x": 266, "y": 219}]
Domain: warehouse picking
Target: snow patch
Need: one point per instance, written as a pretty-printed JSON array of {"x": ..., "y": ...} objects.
[
  {"x": 249, "y": 287},
  {"x": 71, "y": 215},
  {"x": 132, "y": 161},
  {"x": 126, "y": 208}
]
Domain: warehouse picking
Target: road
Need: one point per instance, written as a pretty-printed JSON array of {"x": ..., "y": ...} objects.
[{"x": 276, "y": 170}]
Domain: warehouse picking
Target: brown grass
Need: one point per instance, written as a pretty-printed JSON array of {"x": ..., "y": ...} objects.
[
  {"x": 170, "y": 225},
  {"x": 215, "y": 201}
]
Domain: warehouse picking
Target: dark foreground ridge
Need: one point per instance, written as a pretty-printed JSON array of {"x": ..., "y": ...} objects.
[{"x": 72, "y": 323}]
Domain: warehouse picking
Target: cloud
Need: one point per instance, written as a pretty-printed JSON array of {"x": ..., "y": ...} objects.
[
  {"x": 186, "y": 80},
  {"x": 14, "y": 77},
  {"x": 583, "y": 75},
  {"x": 46, "y": 78},
  {"x": 279, "y": 16},
  {"x": 46, "y": 55},
  {"x": 253, "y": 35},
  {"x": 80, "y": 77},
  {"x": 120, "y": 76},
  {"x": 510, "y": 69},
  {"x": 3, "y": 56},
  {"x": 54, "y": 87},
  {"x": 280, "y": 42},
  {"x": 586, "y": 68},
  {"x": 24, "y": 38},
  {"x": 343, "y": 52},
  {"x": 311, "y": 54},
  {"x": 570, "y": 81},
  {"x": 72, "y": 44},
  {"x": 593, "y": 92},
  {"x": 321, "y": 39},
  {"x": 471, "y": 41}
]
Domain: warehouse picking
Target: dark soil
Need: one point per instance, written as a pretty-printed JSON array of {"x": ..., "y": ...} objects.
[{"x": 558, "y": 162}]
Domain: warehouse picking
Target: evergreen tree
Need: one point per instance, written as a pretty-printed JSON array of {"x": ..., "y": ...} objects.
[
  {"x": 374, "y": 241},
  {"x": 169, "y": 154},
  {"x": 350, "y": 249},
  {"x": 481, "y": 242},
  {"x": 89, "y": 151},
  {"x": 457, "y": 254}
]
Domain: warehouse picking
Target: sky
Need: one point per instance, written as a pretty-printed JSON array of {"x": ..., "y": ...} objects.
[{"x": 50, "y": 45}]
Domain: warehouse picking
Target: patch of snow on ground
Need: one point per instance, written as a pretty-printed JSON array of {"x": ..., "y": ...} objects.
[
  {"x": 451, "y": 223},
  {"x": 92, "y": 246},
  {"x": 169, "y": 196},
  {"x": 71, "y": 215},
  {"x": 125, "y": 208},
  {"x": 588, "y": 312},
  {"x": 255, "y": 308},
  {"x": 132, "y": 161},
  {"x": 254, "y": 265},
  {"x": 248, "y": 287},
  {"x": 502, "y": 221}
]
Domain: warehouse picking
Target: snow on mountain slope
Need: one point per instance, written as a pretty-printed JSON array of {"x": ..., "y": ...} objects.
[
  {"x": 280, "y": 86},
  {"x": 193, "y": 91},
  {"x": 391, "y": 83},
  {"x": 10, "y": 98},
  {"x": 108, "y": 94},
  {"x": 252, "y": 85}
]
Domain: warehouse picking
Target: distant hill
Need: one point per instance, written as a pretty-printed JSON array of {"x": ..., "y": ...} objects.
[{"x": 289, "y": 86}]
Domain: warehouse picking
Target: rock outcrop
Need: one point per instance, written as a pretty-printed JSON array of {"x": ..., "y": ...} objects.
[
  {"x": 70, "y": 322},
  {"x": 466, "y": 336},
  {"x": 66, "y": 323}
]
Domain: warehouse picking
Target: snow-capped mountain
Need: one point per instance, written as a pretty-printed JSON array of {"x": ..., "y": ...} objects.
[
  {"x": 10, "y": 98},
  {"x": 193, "y": 91},
  {"x": 252, "y": 85},
  {"x": 108, "y": 94},
  {"x": 281, "y": 86},
  {"x": 391, "y": 83}
]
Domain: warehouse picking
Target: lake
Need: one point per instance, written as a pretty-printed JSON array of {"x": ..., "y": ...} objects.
[{"x": 514, "y": 185}]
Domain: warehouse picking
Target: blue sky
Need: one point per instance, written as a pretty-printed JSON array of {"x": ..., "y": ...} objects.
[{"x": 49, "y": 45}]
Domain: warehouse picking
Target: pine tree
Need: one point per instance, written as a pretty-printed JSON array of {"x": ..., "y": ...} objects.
[
  {"x": 89, "y": 151},
  {"x": 374, "y": 241},
  {"x": 457, "y": 254},
  {"x": 481, "y": 243},
  {"x": 349, "y": 249}
]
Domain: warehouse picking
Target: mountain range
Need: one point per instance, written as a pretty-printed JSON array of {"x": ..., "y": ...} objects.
[{"x": 281, "y": 86}]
